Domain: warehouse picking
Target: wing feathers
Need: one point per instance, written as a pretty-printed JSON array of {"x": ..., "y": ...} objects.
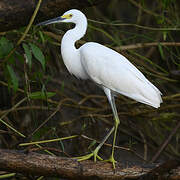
[{"x": 112, "y": 70}]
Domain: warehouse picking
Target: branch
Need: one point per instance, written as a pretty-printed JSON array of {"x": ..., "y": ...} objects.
[
  {"x": 143, "y": 45},
  {"x": 15, "y": 14},
  {"x": 120, "y": 48},
  {"x": 46, "y": 165}
]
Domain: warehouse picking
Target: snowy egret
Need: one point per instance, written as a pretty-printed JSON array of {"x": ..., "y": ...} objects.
[{"x": 107, "y": 68}]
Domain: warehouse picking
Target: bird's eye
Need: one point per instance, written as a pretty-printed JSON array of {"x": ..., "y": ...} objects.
[{"x": 70, "y": 15}]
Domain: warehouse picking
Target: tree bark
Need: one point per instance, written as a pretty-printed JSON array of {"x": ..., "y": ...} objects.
[
  {"x": 17, "y": 13},
  {"x": 46, "y": 165}
]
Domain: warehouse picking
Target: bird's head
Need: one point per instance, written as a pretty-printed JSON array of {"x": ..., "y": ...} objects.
[{"x": 71, "y": 16}]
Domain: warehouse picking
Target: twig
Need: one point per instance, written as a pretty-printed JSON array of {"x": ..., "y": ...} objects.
[
  {"x": 165, "y": 143},
  {"x": 26, "y": 31},
  {"x": 7, "y": 112},
  {"x": 33, "y": 149},
  {"x": 145, "y": 144},
  {"x": 143, "y": 45},
  {"x": 118, "y": 147},
  {"x": 11, "y": 86},
  {"x": 22, "y": 108},
  {"x": 135, "y": 25},
  {"x": 146, "y": 10},
  {"x": 57, "y": 109},
  {"x": 48, "y": 141}
]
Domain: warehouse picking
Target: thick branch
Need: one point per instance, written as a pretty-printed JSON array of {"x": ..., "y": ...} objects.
[
  {"x": 46, "y": 165},
  {"x": 15, "y": 14}
]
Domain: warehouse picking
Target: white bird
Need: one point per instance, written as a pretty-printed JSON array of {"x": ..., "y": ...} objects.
[{"x": 107, "y": 68}]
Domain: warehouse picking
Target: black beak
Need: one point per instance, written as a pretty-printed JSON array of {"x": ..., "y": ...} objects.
[{"x": 51, "y": 21}]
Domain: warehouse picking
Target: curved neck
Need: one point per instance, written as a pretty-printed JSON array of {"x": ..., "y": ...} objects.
[
  {"x": 71, "y": 36},
  {"x": 71, "y": 55}
]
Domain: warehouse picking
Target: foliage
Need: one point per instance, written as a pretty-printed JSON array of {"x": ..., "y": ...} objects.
[{"x": 42, "y": 101}]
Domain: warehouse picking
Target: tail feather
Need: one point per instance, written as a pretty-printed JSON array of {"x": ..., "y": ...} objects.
[
  {"x": 152, "y": 96},
  {"x": 149, "y": 95}
]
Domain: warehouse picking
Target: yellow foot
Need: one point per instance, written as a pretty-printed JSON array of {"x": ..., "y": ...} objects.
[
  {"x": 111, "y": 160},
  {"x": 88, "y": 156}
]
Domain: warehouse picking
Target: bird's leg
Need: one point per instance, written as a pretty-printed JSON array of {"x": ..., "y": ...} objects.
[
  {"x": 115, "y": 127},
  {"x": 95, "y": 152},
  {"x": 116, "y": 124},
  {"x": 111, "y": 159}
]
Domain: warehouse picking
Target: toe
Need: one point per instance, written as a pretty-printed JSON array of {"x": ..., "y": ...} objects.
[{"x": 112, "y": 160}]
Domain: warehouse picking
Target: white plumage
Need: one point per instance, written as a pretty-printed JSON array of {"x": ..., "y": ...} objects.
[
  {"x": 107, "y": 68},
  {"x": 112, "y": 70}
]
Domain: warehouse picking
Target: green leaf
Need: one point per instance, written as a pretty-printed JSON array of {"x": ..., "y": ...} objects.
[
  {"x": 13, "y": 78},
  {"x": 164, "y": 35},
  {"x": 28, "y": 54},
  {"x": 5, "y": 47},
  {"x": 41, "y": 36},
  {"x": 41, "y": 95},
  {"x": 161, "y": 51},
  {"x": 38, "y": 54}
]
